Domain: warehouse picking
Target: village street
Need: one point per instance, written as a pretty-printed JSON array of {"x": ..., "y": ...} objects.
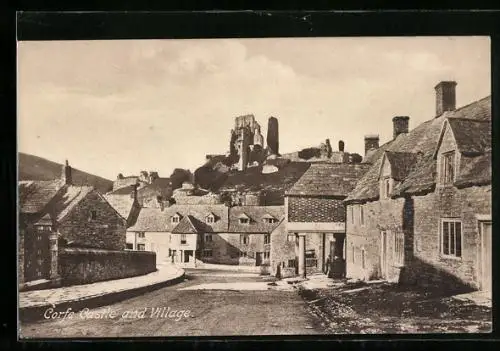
[{"x": 258, "y": 311}]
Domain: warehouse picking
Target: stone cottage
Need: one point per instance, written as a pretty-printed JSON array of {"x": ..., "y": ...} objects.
[
  {"x": 56, "y": 213},
  {"x": 422, "y": 212},
  {"x": 315, "y": 218}
]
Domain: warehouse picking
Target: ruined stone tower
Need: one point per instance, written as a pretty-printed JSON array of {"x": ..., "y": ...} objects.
[{"x": 273, "y": 136}]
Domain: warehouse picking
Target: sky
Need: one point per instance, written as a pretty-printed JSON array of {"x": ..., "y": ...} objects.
[{"x": 122, "y": 106}]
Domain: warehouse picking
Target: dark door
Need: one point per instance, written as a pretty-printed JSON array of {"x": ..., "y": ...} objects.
[
  {"x": 187, "y": 254},
  {"x": 37, "y": 253},
  {"x": 258, "y": 258}
]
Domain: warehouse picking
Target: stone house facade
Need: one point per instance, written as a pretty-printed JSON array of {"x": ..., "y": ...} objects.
[
  {"x": 189, "y": 234},
  {"x": 315, "y": 218},
  {"x": 422, "y": 212},
  {"x": 55, "y": 214}
]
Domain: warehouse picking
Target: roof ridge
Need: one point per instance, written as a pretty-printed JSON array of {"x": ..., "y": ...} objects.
[{"x": 471, "y": 103}]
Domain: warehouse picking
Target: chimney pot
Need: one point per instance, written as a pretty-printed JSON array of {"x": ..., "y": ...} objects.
[
  {"x": 371, "y": 142},
  {"x": 445, "y": 97},
  {"x": 400, "y": 125}
]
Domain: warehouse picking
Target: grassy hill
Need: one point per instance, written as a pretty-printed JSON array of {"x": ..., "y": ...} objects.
[{"x": 37, "y": 168}]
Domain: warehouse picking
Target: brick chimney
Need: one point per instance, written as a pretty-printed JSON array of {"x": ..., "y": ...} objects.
[
  {"x": 66, "y": 174},
  {"x": 445, "y": 97},
  {"x": 371, "y": 142},
  {"x": 400, "y": 125}
]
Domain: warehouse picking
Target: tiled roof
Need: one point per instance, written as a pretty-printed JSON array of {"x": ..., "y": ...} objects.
[
  {"x": 34, "y": 195},
  {"x": 424, "y": 139},
  {"x": 186, "y": 226},
  {"x": 123, "y": 204},
  {"x": 328, "y": 179},
  {"x": 257, "y": 214},
  {"x": 151, "y": 220},
  {"x": 471, "y": 136},
  {"x": 401, "y": 163},
  {"x": 199, "y": 212},
  {"x": 69, "y": 199}
]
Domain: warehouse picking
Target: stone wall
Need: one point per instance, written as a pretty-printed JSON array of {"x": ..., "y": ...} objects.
[
  {"x": 107, "y": 231},
  {"x": 315, "y": 209},
  {"x": 428, "y": 266},
  {"x": 227, "y": 248},
  {"x": 84, "y": 266},
  {"x": 282, "y": 250}
]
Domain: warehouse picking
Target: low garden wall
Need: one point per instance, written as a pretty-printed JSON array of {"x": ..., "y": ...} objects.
[{"x": 83, "y": 266}]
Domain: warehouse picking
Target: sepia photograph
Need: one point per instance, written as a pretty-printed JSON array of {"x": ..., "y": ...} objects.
[{"x": 255, "y": 186}]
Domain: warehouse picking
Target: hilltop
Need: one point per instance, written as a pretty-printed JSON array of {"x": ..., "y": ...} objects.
[{"x": 37, "y": 168}]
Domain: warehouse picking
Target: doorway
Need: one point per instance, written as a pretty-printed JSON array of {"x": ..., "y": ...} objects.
[
  {"x": 187, "y": 254},
  {"x": 383, "y": 254},
  {"x": 485, "y": 259},
  {"x": 258, "y": 258}
]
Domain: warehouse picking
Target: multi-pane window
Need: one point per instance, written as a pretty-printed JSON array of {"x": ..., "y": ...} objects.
[
  {"x": 175, "y": 219},
  {"x": 291, "y": 263},
  {"x": 448, "y": 167},
  {"x": 183, "y": 239},
  {"x": 244, "y": 220},
  {"x": 141, "y": 247},
  {"x": 129, "y": 246},
  {"x": 207, "y": 253},
  {"x": 267, "y": 239},
  {"x": 451, "y": 237},
  {"x": 244, "y": 239},
  {"x": 399, "y": 248},
  {"x": 93, "y": 215},
  {"x": 266, "y": 255},
  {"x": 290, "y": 237},
  {"x": 141, "y": 235},
  {"x": 386, "y": 187},
  {"x": 210, "y": 219},
  {"x": 208, "y": 238},
  {"x": 243, "y": 254}
]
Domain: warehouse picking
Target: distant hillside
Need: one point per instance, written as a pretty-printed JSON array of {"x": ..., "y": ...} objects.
[{"x": 37, "y": 168}]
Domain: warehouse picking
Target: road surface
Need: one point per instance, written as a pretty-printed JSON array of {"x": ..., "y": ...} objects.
[{"x": 190, "y": 308}]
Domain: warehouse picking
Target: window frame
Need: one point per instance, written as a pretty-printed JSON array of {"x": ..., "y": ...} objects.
[
  {"x": 206, "y": 251},
  {"x": 175, "y": 219},
  {"x": 127, "y": 246},
  {"x": 183, "y": 239},
  {"x": 139, "y": 246},
  {"x": 445, "y": 167},
  {"x": 450, "y": 255},
  {"x": 244, "y": 220},
  {"x": 210, "y": 219},
  {"x": 244, "y": 239},
  {"x": 267, "y": 239},
  {"x": 206, "y": 236},
  {"x": 386, "y": 187},
  {"x": 141, "y": 235}
]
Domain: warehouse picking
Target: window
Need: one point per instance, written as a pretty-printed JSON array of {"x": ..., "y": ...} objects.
[
  {"x": 267, "y": 254},
  {"x": 448, "y": 168},
  {"x": 290, "y": 237},
  {"x": 207, "y": 253},
  {"x": 208, "y": 238},
  {"x": 141, "y": 247},
  {"x": 291, "y": 263},
  {"x": 451, "y": 237},
  {"x": 141, "y": 235},
  {"x": 210, "y": 219},
  {"x": 243, "y": 254},
  {"x": 386, "y": 187},
  {"x": 93, "y": 215},
  {"x": 176, "y": 218},
  {"x": 129, "y": 246},
  {"x": 183, "y": 239},
  {"x": 399, "y": 248},
  {"x": 270, "y": 220},
  {"x": 244, "y": 221},
  {"x": 361, "y": 215},
  {"x": 267, "y": 239},
  {"x": 244, "y": 239}
]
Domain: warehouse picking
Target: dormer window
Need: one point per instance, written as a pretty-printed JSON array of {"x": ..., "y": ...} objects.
[
  {"x": 244, "y": 219},
  {"x": 269, "y": 219},
  {"x": 176, "y": 218},
  {"x": 210, "y": 218},
  {"x": 448, "y": 168},
  {"x": 386, "y": 187}
]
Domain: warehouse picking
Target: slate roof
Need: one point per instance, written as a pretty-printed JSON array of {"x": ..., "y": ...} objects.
[
  {"x": 471, "y": 136},
  {"x": 401, "y": 163},
  {"x": 123, "y": 204},
  {"x": 70, "y": 198},
  {"x": 151, "y": 220},
  {"x": 474, "y": 170},
  {"x": 34, "y": 195},
  {"x": 187, "y": 226},
  {"x": 328, "y": 179},
  {"x": 424, "y": 140},
  {"x": 199, "y": 212},
  {"x": 126, "y": 190},
  {"x": 256, "y": 215}
]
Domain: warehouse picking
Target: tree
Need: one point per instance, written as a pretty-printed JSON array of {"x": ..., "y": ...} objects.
[{"x": 180, "y": 176}]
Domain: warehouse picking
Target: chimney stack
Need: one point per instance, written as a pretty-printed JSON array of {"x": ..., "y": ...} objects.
[
  {"x": 66, "y": 174},
  {"x": 400, "y": 125},
  {"x": 341, "y": 146},
  {"x": 445, "y": 97},
  {"x": 371, "y": 142}
]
